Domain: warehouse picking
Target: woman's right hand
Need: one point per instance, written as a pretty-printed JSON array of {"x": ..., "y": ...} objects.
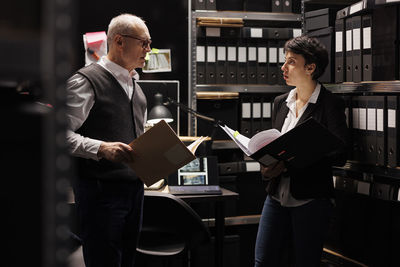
[{"x": 273, "y": 170}]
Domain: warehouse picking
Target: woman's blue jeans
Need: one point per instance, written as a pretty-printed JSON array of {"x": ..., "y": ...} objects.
[{"x": 305, "y": 227}]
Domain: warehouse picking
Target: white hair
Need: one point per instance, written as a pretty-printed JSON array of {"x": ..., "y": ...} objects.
[{"x": 122, "y": 24}]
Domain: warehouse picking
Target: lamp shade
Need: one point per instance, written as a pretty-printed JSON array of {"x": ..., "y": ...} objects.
[{"x": 159, "y": 111}]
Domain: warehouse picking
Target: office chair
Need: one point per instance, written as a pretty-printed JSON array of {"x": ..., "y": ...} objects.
[{"x": 171, "y": 228}]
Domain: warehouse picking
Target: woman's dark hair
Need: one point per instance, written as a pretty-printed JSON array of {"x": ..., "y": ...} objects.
[{"x": 312, "y": 51}]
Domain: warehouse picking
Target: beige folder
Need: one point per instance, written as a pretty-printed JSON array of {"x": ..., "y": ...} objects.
[{"x": 159, "y": 152}]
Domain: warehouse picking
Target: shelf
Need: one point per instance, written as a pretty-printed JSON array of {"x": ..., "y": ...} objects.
[
  {"x": 264, "y": 16},
  {"x": 368, "y": 172},
  {"x": 243, "y": 88},
  {"x": 337, "y": 2},
  {"x": 365, "y": 87}
]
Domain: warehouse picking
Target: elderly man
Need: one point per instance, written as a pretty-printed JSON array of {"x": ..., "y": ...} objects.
[{"x": 106, "y": 111}]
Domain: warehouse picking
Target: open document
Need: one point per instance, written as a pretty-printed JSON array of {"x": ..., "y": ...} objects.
[
  {"x": 159, "y": 152},
  {"x": 303, "y": 145}
]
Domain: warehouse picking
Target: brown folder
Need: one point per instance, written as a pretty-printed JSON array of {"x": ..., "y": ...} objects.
[{"x": 159, "y": 152}]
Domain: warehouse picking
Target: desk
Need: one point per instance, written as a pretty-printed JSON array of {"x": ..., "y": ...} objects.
[{"x": 219, "y": 217}]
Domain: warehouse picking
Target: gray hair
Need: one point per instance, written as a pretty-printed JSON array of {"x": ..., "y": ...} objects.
[{"x": 122, "y": 24}]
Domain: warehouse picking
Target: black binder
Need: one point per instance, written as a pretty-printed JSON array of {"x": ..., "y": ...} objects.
[
  {"x": 281, "y": 61},
  {"x": 266, "y": 122},
  {"x": 211, "y": 4},
  {"x": 276, "y": 5},
  {"x": 262, "y": 59},
  {"x": 246, "y": 113},
  {"x": 381, "y": 131},
  {"x": 349, "y": 120},
  {"x": 273, "y": 71},
  {"x": 371, "y": 131},
  {"x": 355, "y": 129},
  {"x": 211, "y": 52},
  {"x": 357, "y": 44},
  {"x": 242, "y": 64},
  {"x": 256, "y": 115},
  {"x": 362, "y": 116},
  {"x": 287, "y": 6},
  {"x": 393, "y": 113},
  {"x": 201, "y": 56},
  {"x": 251, "y": 54},
  {"x": 366, "y": 48},
  {"x": 302, "y": 146},
  {"x": 199, "y": 4},
  {"x": 340, "y": 39},
  {"x": 221, "y": 66},
  {"x": 349, "y": 49},
  {"x": 231, "y": 35}
]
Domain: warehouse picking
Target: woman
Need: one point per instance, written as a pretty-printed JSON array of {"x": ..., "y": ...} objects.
[{"x": 297, "y": 209}]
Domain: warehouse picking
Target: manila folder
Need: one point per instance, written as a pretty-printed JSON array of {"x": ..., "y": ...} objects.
[{"x": 158, "y": 153}]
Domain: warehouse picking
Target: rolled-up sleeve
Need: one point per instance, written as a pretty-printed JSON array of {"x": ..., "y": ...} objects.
[{"x": 80, "y": 100}]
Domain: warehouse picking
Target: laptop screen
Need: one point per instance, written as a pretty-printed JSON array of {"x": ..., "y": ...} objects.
[
  {"x": 194, "y": 173},
  {"x": 200, "y": 171}
]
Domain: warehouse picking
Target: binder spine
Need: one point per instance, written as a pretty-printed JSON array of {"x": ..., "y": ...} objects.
[{"x": 340, "y": 39}]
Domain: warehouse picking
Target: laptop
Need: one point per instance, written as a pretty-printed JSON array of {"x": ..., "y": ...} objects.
[{"x": 198, "y": 177}]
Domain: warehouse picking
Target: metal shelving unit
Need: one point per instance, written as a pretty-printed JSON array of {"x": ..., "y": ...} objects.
[{"x": 194, "y": 87}]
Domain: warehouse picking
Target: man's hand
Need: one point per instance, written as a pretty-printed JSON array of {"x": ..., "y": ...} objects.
[
  {"x": 115, "y": 152},
  {"x": 271, "y": 171}
]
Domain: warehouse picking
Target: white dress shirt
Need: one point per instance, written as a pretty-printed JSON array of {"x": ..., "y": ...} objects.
[
  {"x": 80, "y": 100},
  {"x": 283, "y": 194}
]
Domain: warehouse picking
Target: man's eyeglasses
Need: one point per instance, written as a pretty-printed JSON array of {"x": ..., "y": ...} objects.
[{"x": 145, "y": 43}]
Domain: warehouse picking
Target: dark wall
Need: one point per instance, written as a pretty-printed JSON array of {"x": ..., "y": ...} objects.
[{"x": 168, "y": 26}]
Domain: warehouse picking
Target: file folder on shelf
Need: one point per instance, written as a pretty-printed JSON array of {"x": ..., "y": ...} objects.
[
  {"x": 246, "y": 116},
  {"x": 355, "y": 129},
  {"x": 273, "y": 71},
  {"x": 367, "y": 48},
  {"x": 362, "y": 116},
  {"x": 381, "y": 131},
  {"x": 221, "y": 65},
  {"x": 287, "y": 6},
  {"x": 250, "y": 36},
  {"x": 200, "y": 64},
  {"x": 349, "y": 49},
  {"x": 357, "y": 44},
  {"x": 231, "y": 36},
  {"x": 211, "y": 4},
  {"x": 242, "y": 62},
  {"x": 393, "y": 113},
  {"x": 276, "y": 5},
  {"x": 371, "y": 131},
  {"x": 211, "y": 64},
  {"x": 262, "y": 67},
  {"x": 316, "y": 142},
  {"x": 201, "y": 56},
  {"x": 340, "y": 39},
  {"x": 199, "y": 4}
]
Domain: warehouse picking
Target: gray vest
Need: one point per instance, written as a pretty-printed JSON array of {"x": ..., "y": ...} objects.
[{"x": 112, "y": 118}]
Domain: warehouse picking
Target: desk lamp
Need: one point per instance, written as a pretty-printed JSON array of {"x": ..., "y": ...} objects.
[{"x": 159, "y": 111}]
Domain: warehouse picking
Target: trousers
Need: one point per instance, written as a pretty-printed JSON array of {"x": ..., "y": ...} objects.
[
  {"x": 109, "y": 221},
  {"x": 302, "y": 228}
]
